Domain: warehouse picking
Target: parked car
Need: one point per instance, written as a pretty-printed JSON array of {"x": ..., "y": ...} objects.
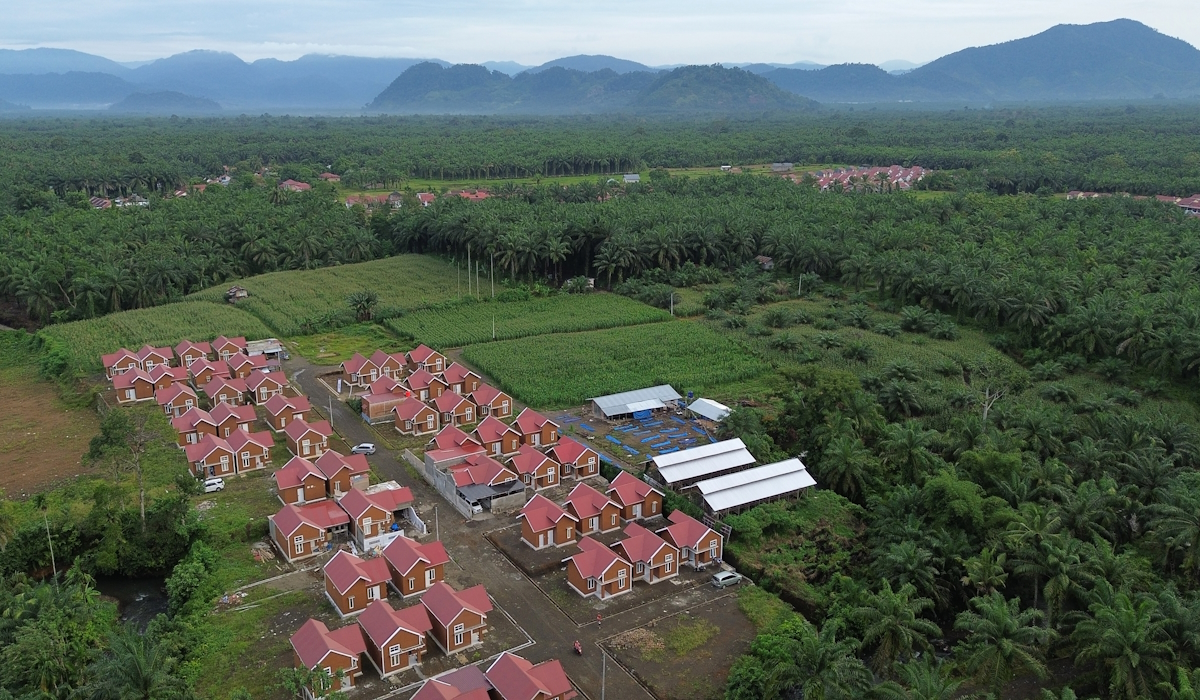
[
  {"x": 476, "y": 509},
  {"x": 214, "y": 484},
  {"x": 364, "y": 448},
  {"x": 721, "y": 579}
]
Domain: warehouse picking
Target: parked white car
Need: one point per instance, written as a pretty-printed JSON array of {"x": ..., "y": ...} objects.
[
  {"x": 214, "y": 484},
  {"x": 363, "y": 448}
]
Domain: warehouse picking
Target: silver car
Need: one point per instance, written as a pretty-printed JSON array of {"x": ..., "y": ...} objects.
[
  {"x": 721, "y": 579},
  {"x": 363, "y": 448}
]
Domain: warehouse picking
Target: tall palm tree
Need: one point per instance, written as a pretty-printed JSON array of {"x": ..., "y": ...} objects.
[
  {"x": 135, "y": 668},
  {"x": 1003, "y": 641},
  {"x": 819, "y": 666},
  {"x": 846, "y": 466},
  {"x": 892, "y": 623},
  {"x": 1128, "y": 643},
  {"x": 985, "y": 571}
]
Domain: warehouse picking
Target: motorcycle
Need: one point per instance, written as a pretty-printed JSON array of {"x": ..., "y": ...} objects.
[{"x": 578, "y": 648}]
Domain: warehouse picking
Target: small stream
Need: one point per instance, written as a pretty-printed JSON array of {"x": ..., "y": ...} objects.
[{"x": 139, "y": 600}]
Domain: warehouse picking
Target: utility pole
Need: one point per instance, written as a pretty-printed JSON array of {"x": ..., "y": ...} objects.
[
  {"x": 437, "y": 530},
  {"x": 49, "y": 541},
  {"x": 468, "y": 270},
  {"x": 331, "y": 412},
  {"x": 493, "y": 275},
  {"x": 603, "y": 671},
  {"x": 672, "y": 303}
]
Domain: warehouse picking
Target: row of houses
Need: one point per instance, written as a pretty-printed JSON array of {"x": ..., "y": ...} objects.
[
  {"x": 1190, "y": 205},
  {"x": 395, "y": 640},
  {"x": 641, "y": 555}
]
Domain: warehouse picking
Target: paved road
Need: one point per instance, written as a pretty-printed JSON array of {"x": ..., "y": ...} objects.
[{"x": 552, "y": 631}]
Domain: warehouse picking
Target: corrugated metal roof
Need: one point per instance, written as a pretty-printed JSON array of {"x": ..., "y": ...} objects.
[
  {"x": 618, "y": 404},
  {"x": 709, "y": 409},
  {"x": 700, "y": 461},
  {"x": 650, "y": 405},
  {"x": 755, "y": 485}
]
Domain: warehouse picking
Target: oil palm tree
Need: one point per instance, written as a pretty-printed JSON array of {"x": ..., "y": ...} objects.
[
  {"x": 893, "y": 625},
  {"x": 1003, "y": 641},
  {"x": 135, "y": 668},
  {"x": 819, "y": 666},
  {"x": 1128, "y": 643}
]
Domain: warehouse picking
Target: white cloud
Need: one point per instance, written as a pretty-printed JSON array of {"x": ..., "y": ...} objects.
[{"x": 532, "y": 31}]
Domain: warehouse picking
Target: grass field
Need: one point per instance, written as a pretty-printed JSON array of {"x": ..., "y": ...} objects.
[
  {"x": 569, "y": 368},
  {"x": 291, "y": 303},
  {"x": 473, "y": 323},
  {"x": 41, "y": 437},
  {"x": 84, "y": 341},
  {"x": 335, "y": 347}
]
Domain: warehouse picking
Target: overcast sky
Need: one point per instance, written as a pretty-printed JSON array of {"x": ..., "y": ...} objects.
[{"x": 533, "y": 31}]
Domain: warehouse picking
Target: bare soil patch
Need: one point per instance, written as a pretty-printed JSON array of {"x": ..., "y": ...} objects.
[
  {"x": 686, "y": 656},
  {"x": 41, "y": 438}
]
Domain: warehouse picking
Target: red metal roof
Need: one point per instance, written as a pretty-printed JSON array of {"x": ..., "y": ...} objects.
[
  {"x": 237, "y": 342},
  {"x": 190, "y": 419},
  {"x": 165, "y": 396},
  {"x": 410, "y": 408},
  {"x": 240, "y": 438},
  {"x": 354, "y": 364},
  {"x": 421, "y": 379},
  {"x": 684, "y": 530},
  {"x": 542, "y": 514},
  {"x": 452, "y": 436},
  {"x": 528, "y": 460},
  {"x": 322, "y": 515},
  {"x": 297, "y": 428},
  {"x": 224, "y": 411},
  {"x": 218, "y": 367},
  {"x": 126, "y": 380},
  {"x": 113, "y": 358},
  {"x": 450, "y": 401},
  {"x": 491, "y": 429},
  {"x": 381, "y": 622},
  {"x": 640, "y": 544},
  {"x": 445, "y": 603},
  {"x": 332, "y": 462},
  {"x": 530, "y": 421},
  {"x": 219, "y": 382},
  {"x": 279, "y": 403},
  {"x": 594, "y": 559},
  {"x": 313, "y": 642},
  {"x": 344, "y": 569},
  {"x": 515, "y": 678},
  {"x": 356, "y": 502},
  {"x": 481, "y": 469},
  {"x": 239, "y": 361},
  {"x": 201, "y": 450},
  {"x": 257, "y": 379},
  {"x": 627, "y": 489},
  {"x": 294, "y": 472},
  {"x": 587, "y": 501},
  {"x": 456, "y": 373},
  {"x": 485, "y": 395},
  {"x": 421, "y": 353},
  {"x": 568, "y": 450},
  {"x": 177, "y": 374},
  {"x": 466, "y": 683},
  {"x": 404, "y": 553}
]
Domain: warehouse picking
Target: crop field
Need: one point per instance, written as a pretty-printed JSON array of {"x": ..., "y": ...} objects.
[
  {"x": 296, "y": 303},
  {"x": 473, "y": 323},
  {"x": 84, "y": 341},
  {"x": 572, "y": 367}
]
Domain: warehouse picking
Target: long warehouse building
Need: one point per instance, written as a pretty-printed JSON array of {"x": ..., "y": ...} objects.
[
  {"x": 683, "y": 469},
  {"x": 750, "y": 487},
  {"x": 641, "y": 403}
]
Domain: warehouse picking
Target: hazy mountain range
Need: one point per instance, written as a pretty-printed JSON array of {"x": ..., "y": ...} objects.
[{"x": 1121, "y": 59}]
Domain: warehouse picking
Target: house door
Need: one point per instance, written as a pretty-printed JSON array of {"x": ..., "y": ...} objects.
[
  {"x": 541, "y": 540},
  {"x": 346, "y": 681},
  {"x": 550, "y": 536},
  {"x": 474, "y": 637},
  {"x": 637, "y": 510},
  {"x": 413, "y": 658}
]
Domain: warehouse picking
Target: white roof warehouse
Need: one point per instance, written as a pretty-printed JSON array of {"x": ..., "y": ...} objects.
[
  {"x": 753, "y": 486},
  {"x": 625, "y": 404},
  {"x": 683, "y": 469}
]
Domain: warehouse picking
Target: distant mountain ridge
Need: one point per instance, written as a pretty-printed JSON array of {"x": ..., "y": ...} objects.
[
  {"x": 428, "y": 88},
  {"x": 1121, "y": 59}
]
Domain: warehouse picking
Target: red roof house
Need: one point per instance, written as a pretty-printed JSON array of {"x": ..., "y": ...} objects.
[
  {"x": 308, "y": 440},
  {"x": 415, "y": 566},
  {"x": 343, "y": 473},
  {"x": 226, "y": 390},
  {"x": 425, "y": 385},
  {"x": 282, "y": 410},
  {"x": 211, "y": 457},
  {"x": 536, "y": 469},
  {"x": 545, "y": 524},
  {"x": 455, "y": 409},
  {"x": 466, "y": 683},
  {"x": 119, "y": 362},
  {"x": 598, "y": 571},
  {"x": 536, "y": 429},
  {"x": 414, "y": 417},
  {"x": 426, "y": 358},
  {"x": 133, "y": 385},
  {"x": 351, "y": 583},
  {"x": 514, "y": 678},
  {"x": 373, "y": 514},
  {"x": 300, "y": 482},
  {"x": 303, "y": 531},
  {"x": 314, "y": 646},
  {"x": 461, "y": 379},
  {"x": 294, "y": 186},
  {"x": 251, "y": 451},
  {"x": 176, "y": 399},
  {"x": 653, "y": 558},
  {"x": 492, "y": 402},
  {"x": 575, "y": 459},
  {"x": 459, "y": 617},
  {"x": 193, "y": 425},
  {"x": 203, "y": 371},
  {"x": 165, "y": 376},
  {"x": 223, "y": 348},
  {"x": 396, "y": 639},
  {"x": 496, "y": 437},
  {"x": 698, "y": 544},
  {"x": 264, "y": 385},
  {"x": 638, "y": 500},
  {"x": 594, "y": 511}
]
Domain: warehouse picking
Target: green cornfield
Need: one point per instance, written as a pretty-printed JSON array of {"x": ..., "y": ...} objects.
[
  {"x": 473, "y": 323},
  {"x": 81, "y": 343},
  {"x": 296, "y": 303},
  {"x": 569, "y": 368}
]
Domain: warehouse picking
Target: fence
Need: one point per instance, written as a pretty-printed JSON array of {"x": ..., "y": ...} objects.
[{"x": 443, "y": 482}]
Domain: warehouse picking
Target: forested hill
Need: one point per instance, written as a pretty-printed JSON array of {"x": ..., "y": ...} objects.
[
  {"x": 1122, "y": 59},
  {"x": 428, "y": 88}
]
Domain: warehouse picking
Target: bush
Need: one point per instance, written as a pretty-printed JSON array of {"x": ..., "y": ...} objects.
[
  {"x": 778, "y": 318},
  {"x": 858, "y": 352},
  {"x": 890, "y": 330},
  {"x": 1047, "y": 371},
  {"x": 1059, "y": 393},
  {"x": 576, "y": 285},
  {"x": 944, "y": 330},
  {"x": 914, "y": 319}
]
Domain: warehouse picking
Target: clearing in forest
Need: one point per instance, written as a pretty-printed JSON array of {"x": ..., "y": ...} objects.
[
  {"x": 299, "y": 302},
  {"x": 472, "y": 323},
  {"x": 569, "y": 368}
]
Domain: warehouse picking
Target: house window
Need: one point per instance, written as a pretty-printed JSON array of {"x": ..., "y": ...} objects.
[
  {"x": 496, "y": 448},
  {"x": 430, "y": 576},
  {"x": 408, "y": 425},
  {"x": 429, "y": 422},
  {"x": 550, "y": 478},
  {"x": 372, "y": 593},
  {"x": 298, "y": 543},
  {"x": 653, "y": 506},
  {"x": 640, "y": 568},
  {"x": 304, "y": 446},
  {"x": 224, "y": 462},
  {"x": 394, "y": 655},
  {"x": 570, "y": 533},
  {"x": 670, "y": 562},
  {"x": 613, "y": 519},
  {"x": 438, "y": 364},
  {"x": 458, "y": 634},
  {"x": 621, "y": 578},
  {"x": 504, "y": 406},
  {"x": 470, "y": 415},
  {"x": 353, "y": 662},
  {"x": 712, "y": 549},
  {"x": 245, "y": 459},
  {"x": 591, "y": 584},
  {"x": 412, "y": 583},
  {"x": 350, "y": 603},
  {"x": 129, "y": 394},
  {"x": 424, "y": 394},
  {"x": 187, "y": 403},
  {"x": 367, "y": 523}
]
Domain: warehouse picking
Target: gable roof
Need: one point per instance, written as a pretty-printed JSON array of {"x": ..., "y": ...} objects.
[
  {"x": 422, "y": 379},
  {"x": 453, "y": 436},
  {"x": 466, "y": 683},
  {"x": 332, "y": 462},
  {"x": 481, "y": 469},
  {"x": 169, "y": 394},
  {"x": 530, "y": 421},
  {"x": 491, "y": 429},
  {"x": 380, "y": 358},
  {"x": 384, "y": 385},
  {"x": 698, "y": 462},
  {"x": 313, "y": 642},
  {"x": 345, "y": 569},
  {"x": 218, "y": 367},
  {"x": 177, "y": 374},
  {"x": 239, "y": 361},
  {"x": 485, "y": 394},
  {"x": 514, "y": 678},
  {"x": 220, "y": 381},
  {"x": 224, "y": 411},
  {"x": 297, "y": 428},
  {"x": 381, "y": 622},
  {"x": 293, "y": 473},
  {"x": 128, "y": 379},
  {"x": 112, "y": 358},
  {"x": 684, "y": 530},
  {"x": 240, "y": 438},
  {"x": 321, "y": 515},
  {"x": 587, "y": 501},
  {"x": 640, "y": 544},
  {"x": 257, "y": 379},
  {"x": 404, "y": 553},
  {"x": 568, "y": 450},
  {"x": 542, "y": 514},
  {"x": 410, "y": 408},
  {"x": 619, "y": 404},
  {"x": 148, "y": 350},
  {"x": 201, "y": 450},
  {"x": 421, "y": 353},
  {"x": 456, "y": 373},
  {"x": 528, "y": 460},
  {"x": 450, "y": 401},
  {"x": 221, "y": 342},
  {"x": 356, "y": 501},
  {"x": 190, "y": 419},
  {"x": 186, "y": 345},
  {"x": 445, "y": 603},
  {"x": 279, "y": 403},
  {"x": 627, "y": 489},
  {"x": 594, "y": 559},
  {"x": 355, "y": 363}
]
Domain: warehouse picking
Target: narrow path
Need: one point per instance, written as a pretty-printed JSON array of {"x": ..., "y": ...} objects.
[{"x": 553, "y": 632}]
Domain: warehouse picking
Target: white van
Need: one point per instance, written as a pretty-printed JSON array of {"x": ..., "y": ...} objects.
[{"x": 215, "y": 484}]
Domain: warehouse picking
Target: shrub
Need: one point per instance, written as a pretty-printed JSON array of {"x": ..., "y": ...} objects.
[
  {"x": 1046, "y": 371},
  {"x": 914, "y": 319}
]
